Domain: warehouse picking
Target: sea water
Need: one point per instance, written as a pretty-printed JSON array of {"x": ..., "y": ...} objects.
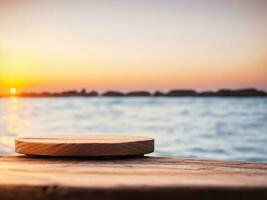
[{"x": 191, "y": 127}]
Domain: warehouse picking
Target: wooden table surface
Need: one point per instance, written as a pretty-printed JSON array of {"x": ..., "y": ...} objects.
[{"x": 24, "y": 177}]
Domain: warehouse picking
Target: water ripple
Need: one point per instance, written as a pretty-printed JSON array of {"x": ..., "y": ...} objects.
[{"x": 208, "y": 128}]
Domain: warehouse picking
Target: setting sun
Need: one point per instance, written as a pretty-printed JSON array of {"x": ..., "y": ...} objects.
[{"x": 13, "y": 91}]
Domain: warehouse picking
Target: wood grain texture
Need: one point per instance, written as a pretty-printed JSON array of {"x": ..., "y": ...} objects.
[
  {"x": 23, "y": 177},
  {"x": 91, "y": 145}
]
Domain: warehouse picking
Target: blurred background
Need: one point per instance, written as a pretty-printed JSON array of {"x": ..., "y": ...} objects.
[{"x": 206, "y": 45}]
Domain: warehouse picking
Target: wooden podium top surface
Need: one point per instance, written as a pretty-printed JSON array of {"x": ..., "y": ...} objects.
[{"x": 89, "y": 145}]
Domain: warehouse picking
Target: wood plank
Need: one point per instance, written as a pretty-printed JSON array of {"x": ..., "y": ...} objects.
[
  {"x": 23, "y": 177},
  {"x": 89, "y": 145}
]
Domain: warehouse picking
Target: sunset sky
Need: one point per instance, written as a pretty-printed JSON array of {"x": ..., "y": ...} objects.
[{"x": 132, "y": 45}]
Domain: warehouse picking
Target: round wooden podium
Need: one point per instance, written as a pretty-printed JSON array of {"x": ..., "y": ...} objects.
[{"x": 85, "y": 146}]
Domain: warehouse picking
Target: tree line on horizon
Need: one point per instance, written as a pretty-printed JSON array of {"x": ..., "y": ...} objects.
[{"x": 172, "y": 93}]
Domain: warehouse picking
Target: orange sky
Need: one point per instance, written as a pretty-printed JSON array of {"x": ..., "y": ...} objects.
[{"x": 129, "y": 45}]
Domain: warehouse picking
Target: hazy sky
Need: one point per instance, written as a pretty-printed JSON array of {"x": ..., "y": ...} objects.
[{"x": 130, "y": 45}]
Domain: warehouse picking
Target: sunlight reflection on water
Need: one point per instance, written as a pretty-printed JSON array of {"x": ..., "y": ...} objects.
[{"x": 213, "y": 128}]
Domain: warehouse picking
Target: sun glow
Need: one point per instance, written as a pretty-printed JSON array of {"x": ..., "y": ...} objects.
[
  {"x": 168, "y": 45},
  {"x": 13, "y": 91}
]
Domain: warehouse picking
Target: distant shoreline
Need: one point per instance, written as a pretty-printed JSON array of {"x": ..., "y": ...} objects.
[{"x": 245, "y": 92}]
